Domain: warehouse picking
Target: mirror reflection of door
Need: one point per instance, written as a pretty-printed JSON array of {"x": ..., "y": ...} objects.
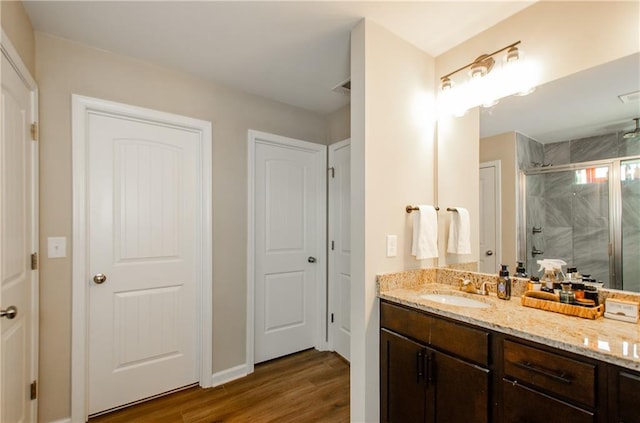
[{"x": 490, "y": 221}]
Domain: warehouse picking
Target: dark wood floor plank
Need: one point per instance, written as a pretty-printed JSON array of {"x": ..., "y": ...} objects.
[{"x": 310, "y": 386}]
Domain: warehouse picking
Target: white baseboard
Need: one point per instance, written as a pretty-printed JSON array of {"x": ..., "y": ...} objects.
[
  {"x": 324, "y": 346},
  {"x": 229, "y": 375},
  {"x": 65, "y": 420}
]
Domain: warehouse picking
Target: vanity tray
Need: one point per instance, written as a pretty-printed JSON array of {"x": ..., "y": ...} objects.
[{"x": 558, "y": 307}]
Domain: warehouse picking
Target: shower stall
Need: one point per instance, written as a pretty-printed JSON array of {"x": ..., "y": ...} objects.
[{"x": 587, "y": 214}]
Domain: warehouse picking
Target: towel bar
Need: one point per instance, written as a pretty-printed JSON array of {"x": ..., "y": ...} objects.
[{"x": 410, "y": 208}]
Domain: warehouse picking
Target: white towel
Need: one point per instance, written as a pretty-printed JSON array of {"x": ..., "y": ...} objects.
[
  {"x": 459, "y": 232},
  {"x": 425, "y": 233}
]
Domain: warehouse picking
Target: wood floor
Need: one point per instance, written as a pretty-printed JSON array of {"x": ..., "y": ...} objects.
[{"x": 310, "y": 386}]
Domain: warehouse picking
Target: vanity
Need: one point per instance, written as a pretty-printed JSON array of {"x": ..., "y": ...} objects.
[{"x": 501, "y": 363}]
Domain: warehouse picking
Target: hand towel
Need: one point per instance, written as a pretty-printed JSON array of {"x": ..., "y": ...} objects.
[
  {"x": 459, "y": 232},
  {"x": 425, "y": 233}
]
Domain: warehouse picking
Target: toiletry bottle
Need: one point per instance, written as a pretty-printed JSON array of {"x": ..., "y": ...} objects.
[
  {"x": 548, "y": 280},
  {"x": 534, "y": 284},
  {"x": 504, "y": 283},
  {"x": 521, "y": 272}
]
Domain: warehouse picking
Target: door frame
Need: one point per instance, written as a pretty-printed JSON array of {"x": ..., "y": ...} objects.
[
  {"x": 321, "y": 271},
  {"x": 9, "y": 51},
  {"x": 498, "y": 205},
  {"x": 332, "y": 283},
  {"x": 82, "y": 107}
]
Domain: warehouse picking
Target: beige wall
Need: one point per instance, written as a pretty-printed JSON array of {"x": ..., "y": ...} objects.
[
  {"x": 339, "y": 125},
  {"x": 503, "y": 148},
  {"x": 392, "y": 158},
  {"x": 17, "y": 26},
  {"x": 65, "y": 68},
  {"x": 597, "y": 32}
]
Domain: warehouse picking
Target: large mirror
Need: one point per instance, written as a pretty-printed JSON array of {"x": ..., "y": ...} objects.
[{"x": 570, "y": 166}]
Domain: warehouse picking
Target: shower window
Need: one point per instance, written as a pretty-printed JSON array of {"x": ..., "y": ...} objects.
[
  {"x": 587, "y": 214},
  {"x": 592, "y": 175}
]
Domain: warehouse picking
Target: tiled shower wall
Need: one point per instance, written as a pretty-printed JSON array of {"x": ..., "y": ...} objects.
[
  {"x": 575, "y": 218},
  {"x": 529, "y": 152}
]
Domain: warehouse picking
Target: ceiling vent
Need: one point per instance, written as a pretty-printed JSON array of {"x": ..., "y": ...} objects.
[
  {"x": 343, "y": 88},
  {"x": 631, "y": 97}
]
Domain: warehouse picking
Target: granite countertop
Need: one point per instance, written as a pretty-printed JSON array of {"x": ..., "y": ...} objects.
[{"x": 602, "y": 339}]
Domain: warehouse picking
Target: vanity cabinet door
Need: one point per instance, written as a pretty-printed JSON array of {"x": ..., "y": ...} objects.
[
  {"x": 525, "y": 405},
  {"x": 624, "y": 395},
  {"x": 458, "y": 390},
  {"x": 403, "y": 383}
]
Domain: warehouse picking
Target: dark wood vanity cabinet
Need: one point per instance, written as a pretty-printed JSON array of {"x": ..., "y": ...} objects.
[
  {"x": 434, "y": 369},
  {"x": 422, "y": 381}
]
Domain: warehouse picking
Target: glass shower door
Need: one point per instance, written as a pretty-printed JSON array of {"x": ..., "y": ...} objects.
[
  {"x": 592, "y": 228},
  {"x": 630, "y": 224},
  {"x": 568, "y": 218}
]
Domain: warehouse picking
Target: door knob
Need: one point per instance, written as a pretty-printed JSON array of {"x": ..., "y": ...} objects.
[
  {"x": 100, "y": 278},
  {"x": 311, "y": 259},
  {"x": 489, "y": 253},
  {"x": 10, "y": 313}
]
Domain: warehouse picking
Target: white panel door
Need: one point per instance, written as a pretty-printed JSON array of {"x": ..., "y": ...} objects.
[
  {"x": 17, "y": 345},
  {"x": 340, "y": 247},
  {"x": 489, "y": 218},
  {"x": 143, "y": 223},
  {"x": 289, "y": 246}
]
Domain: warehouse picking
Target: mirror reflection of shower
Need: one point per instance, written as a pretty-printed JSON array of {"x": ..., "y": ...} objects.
[{"x": 587, "y": 214}]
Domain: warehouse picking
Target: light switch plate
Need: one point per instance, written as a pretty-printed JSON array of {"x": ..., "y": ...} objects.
[
  {"x": 56, "y": 247},
  {"x": 392, "y": 245}
]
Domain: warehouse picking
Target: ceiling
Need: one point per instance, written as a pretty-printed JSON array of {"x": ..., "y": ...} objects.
[
  {"x": 580, "y": 105},
  {"x": 294, "y": 52}
]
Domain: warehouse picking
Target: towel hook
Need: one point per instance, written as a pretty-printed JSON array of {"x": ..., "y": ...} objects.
[{"x": 410, "y": 208}]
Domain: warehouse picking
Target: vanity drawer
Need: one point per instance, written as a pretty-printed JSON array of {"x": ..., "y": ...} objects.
[
  {"x": 463, "y": 341},
  {"x": 571, "y": 379},
  {"x": 522, "y": 404},
  {"x": 406, "y": 322}
]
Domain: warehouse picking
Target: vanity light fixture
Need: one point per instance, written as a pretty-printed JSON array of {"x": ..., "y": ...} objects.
[
  {"x": 488, "y": 79},
  {"x": 483, "y": 64},
  {"x": 446, "y": 84}
]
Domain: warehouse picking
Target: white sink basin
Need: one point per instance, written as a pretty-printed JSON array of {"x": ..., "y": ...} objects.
[{"x": 454, "y": 300}]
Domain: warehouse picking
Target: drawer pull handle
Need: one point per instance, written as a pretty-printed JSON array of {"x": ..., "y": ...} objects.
[
  {"x": 559, "y": 378},
  {"x": 420, "y": 365}
]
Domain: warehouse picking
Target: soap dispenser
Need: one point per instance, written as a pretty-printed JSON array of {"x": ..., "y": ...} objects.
[
  {"x": 521, "y": 272},
  {"x": 504, "y": 283}
]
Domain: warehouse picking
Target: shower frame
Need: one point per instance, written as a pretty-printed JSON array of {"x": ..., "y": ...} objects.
[{"x": 615, "y": 211}]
